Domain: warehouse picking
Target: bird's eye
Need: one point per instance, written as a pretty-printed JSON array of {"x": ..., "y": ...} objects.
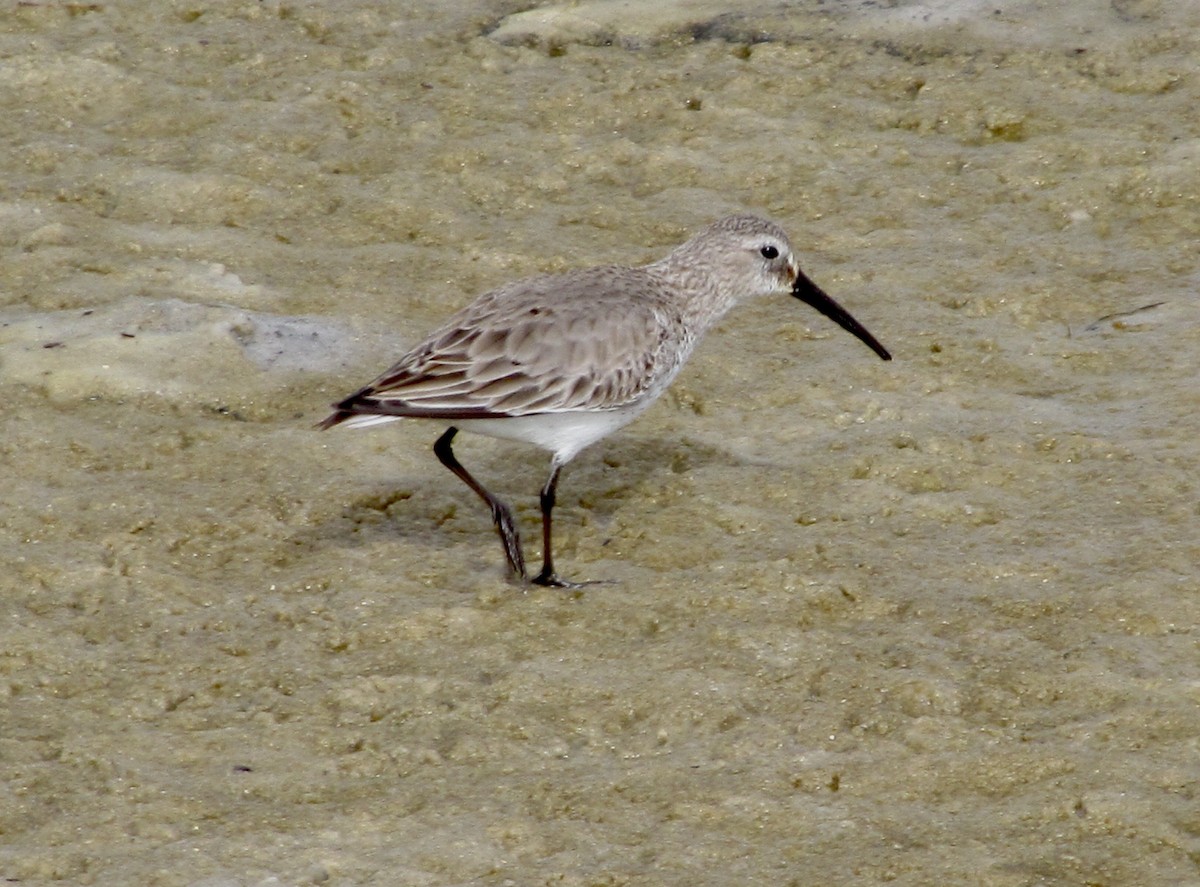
[{"x": 769, "y": 252}]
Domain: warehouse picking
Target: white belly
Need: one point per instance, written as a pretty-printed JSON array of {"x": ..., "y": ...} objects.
[{"x": 563, "y": 434}]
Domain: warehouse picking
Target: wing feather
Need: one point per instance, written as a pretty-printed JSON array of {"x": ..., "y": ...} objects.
[{"x": 591, "y": 340}]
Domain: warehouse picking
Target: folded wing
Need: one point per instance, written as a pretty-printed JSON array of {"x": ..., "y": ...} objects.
[{"x": 519, "y": 350}]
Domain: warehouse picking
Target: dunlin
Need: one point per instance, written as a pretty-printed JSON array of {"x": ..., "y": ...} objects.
[{"x": 561, "y": 361}]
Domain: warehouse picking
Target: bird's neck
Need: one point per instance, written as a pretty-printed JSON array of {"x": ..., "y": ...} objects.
[{"x": 693, "y": 289}]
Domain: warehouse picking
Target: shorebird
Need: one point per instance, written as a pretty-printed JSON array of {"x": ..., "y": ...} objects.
[{"x": 563, "y": 360}]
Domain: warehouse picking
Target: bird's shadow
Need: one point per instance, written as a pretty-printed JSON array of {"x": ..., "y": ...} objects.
[{"x": 597, "y": 483}]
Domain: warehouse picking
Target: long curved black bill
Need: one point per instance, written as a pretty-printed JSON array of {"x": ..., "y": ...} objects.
[{"x": 811, "y": 294}]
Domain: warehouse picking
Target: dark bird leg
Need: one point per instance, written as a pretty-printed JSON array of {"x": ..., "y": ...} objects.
[
  {"x": 501, "y": 515},
  {"x": 547, "y": 576}
]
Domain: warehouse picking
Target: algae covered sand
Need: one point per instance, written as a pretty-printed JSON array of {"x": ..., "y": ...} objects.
[{"x": 925, "y": 622}]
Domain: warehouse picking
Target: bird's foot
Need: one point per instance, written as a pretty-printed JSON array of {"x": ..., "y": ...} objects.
[{"x": 550, "y": 579}]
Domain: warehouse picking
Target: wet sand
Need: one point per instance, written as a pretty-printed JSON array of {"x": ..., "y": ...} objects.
[{"x": 926, "y": 622}]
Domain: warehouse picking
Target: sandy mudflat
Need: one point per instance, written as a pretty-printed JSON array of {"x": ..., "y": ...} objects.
[{"x": 923, "y": 623}]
